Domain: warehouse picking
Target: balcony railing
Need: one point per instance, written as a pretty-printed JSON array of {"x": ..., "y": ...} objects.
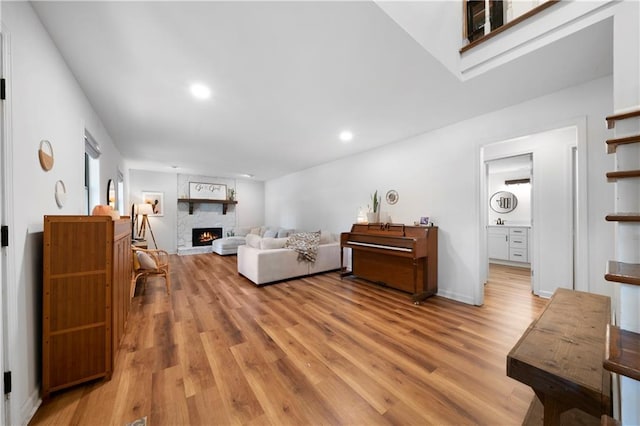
[{"x": 480, "y": 26}]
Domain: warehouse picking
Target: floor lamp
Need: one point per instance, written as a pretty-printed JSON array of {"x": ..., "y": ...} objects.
[{"x": 145, "y": 210}]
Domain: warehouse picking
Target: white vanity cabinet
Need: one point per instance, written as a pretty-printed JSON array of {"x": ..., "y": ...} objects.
[
  {"x": 498, "y": 237},
  {"x": 508, "y": 243}
]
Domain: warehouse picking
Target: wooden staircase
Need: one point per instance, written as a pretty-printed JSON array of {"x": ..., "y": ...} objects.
[{"x": 623, "y": 346}]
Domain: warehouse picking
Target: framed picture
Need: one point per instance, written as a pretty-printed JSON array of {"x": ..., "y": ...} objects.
[
  {"x": 424, "y": 220},
  {"x": 207, "y": 191},
  {"x": 156, "y": 199}
]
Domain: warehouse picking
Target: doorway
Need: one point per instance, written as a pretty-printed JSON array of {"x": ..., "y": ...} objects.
[
  {"x": 554, "y": 183},
  {"x": 509, "y": 231}
]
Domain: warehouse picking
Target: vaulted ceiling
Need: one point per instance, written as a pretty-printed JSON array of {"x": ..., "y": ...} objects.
[{"x": 286, "y": 79}]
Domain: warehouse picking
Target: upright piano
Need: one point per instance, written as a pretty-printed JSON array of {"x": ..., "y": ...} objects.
[{"x": 398, "y": 256}]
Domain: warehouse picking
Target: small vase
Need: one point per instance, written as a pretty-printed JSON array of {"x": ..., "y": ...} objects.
[{"x": 373, "y": 217}]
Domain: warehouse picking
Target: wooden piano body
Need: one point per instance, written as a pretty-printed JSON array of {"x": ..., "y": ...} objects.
[{"x": 398, "y": 256}]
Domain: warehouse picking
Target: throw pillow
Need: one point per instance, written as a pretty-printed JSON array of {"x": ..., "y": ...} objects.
[
  {"x": 146, "y": 261},
  {"x": 270, "y": 233},
  {"x": 284, "y": 233},
  {"x": 255, "y": 231},
  {"x": 253, "y": 240},
  {"x": 272, "y": 243},
  {"x": 242, "y": 232}
]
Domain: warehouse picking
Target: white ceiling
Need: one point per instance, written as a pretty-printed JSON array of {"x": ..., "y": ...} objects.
[{"x": 286, "y": 78}]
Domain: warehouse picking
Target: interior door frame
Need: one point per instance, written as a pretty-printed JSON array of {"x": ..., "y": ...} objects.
[
  {"x": 484, "y": 213},
  {"x": 487, "y": 196},
  {"x": 6, "y": 257},
  {"x": 577, "y": 167}
]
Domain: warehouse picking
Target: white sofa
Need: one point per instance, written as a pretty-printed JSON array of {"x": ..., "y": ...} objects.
[
  {"x": 227, "y": 245},
  {"x": 263, "y": 260}
]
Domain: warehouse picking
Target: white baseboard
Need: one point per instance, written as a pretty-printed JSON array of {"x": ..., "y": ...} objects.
[
  {"x": 455, "y": 296},
  {"x": 29, "y": 408},
  {"x": 510, "y": 263}
]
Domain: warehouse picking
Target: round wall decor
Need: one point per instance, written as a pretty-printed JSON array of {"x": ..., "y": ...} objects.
[
  {"x": 392, "y": 196},
  {"x": 60, "y": 193},
  {"x": 503, "y": 202},
  {"x": 45, "y": 154}
]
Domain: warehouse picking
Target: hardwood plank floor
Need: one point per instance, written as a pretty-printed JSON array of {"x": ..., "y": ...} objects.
[{"x": 317, "y": 350}]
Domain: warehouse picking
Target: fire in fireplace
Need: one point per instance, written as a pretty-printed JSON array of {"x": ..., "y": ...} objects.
[{"x": 205, "y": 236}]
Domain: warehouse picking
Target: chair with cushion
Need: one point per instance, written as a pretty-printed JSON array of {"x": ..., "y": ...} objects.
[{"x": 148, "y": 262}]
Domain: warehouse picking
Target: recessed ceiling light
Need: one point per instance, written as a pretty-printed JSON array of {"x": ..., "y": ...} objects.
[
  {"x": 247, "y": 175},
  {"x": 346, "y": 136},
  {"x": 200, "y": 91}
]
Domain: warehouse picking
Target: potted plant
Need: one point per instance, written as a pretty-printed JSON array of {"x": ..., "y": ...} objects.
[
  {"x": 231, "y": 194},
  {"x": 374, "y": 216}
]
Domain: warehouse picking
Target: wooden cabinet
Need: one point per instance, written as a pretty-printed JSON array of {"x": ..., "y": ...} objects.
[
  {"x": 86, "y": 280},
  {"x": 122, "y": 273}
]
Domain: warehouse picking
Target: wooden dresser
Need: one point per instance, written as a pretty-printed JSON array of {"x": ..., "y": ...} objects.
[{"x": 86, "y": 279}]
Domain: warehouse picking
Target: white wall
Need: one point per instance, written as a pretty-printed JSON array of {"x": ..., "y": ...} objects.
[
  {"x": 519, "y": 7},
  {"x": 439, "y": 28},
  {"x": 521, "y": 215},
  {"x": 163, "y": 227},
  {"x": 250, "y": 207},
  {"x": 248, "y": 212},
  {"x": 437, "y": 175},
  {"x": 44, "y": 102}
]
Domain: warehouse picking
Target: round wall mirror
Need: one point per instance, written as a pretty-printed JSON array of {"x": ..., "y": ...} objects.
[
  {"x": 503, "y": 202},
  {"x": 111, "y": 194}
]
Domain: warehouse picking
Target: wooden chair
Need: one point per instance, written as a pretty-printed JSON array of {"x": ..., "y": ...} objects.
[{"x": 150, "y": 262}]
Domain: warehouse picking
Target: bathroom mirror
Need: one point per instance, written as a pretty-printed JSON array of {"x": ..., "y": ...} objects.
[
  {"x": 111, "y": 194},
  {"x": 503, "y": 202}
]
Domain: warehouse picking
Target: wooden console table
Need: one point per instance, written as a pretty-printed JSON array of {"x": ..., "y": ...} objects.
[{"x": 560, "y": 355}]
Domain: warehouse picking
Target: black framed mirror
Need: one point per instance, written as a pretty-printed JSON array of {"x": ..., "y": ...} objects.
[
  {"x": 503, "y": 202},
  {"x": 111, "y": 194}
]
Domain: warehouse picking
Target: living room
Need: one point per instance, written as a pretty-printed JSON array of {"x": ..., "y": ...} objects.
[{"x": 437, "y": 173}]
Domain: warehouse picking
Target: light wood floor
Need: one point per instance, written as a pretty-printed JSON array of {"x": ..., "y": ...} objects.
[{"x": 317, "y": 350}]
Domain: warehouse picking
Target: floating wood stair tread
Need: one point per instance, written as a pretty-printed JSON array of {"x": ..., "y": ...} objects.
[
  {"x": 623, "y": 217},
  {"x": 612, "y": 144},
  {"x": 622, "y": 352},
  {"x": 620, "y": 272},
  {"x": 623, "y": 174},
  {"x": 611, "y": 120}
]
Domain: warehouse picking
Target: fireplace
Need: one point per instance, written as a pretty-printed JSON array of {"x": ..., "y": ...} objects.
[{"x": 205, "y": 236}]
